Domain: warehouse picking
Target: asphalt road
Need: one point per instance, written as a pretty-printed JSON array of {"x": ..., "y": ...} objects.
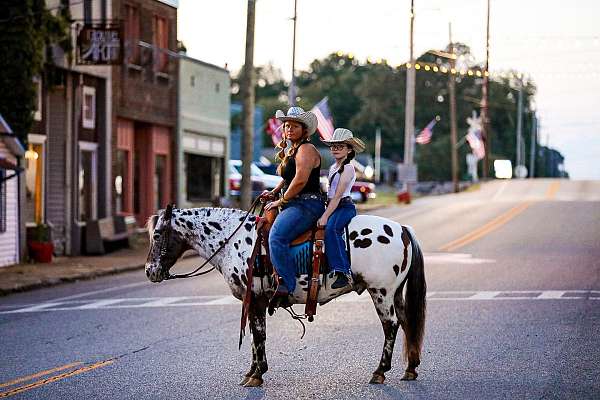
[{"x": 513, "y": 277}]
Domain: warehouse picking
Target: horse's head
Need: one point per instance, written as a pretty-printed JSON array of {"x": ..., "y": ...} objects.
[{"x": 166, "y": 245}]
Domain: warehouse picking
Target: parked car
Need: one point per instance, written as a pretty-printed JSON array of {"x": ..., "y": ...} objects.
[
  {"x": 235, "y": 183},
  {"x": 269, "y": 181},
  {"x": 360, "y": 192}
]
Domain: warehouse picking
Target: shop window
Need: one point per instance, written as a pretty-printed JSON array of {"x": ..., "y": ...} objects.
[
  {"x": 161, "y": 43},
  {"x": 132, "y": 34},
  {"x": 204, "y": 177},
  {"x": 2, "y": 201},
  {"x": 87, "y": 181},
  {"x": 34, "y": 179},
  {"x": 122, "y": 181},
  {"x": 89, "y": 107},
  {"x": 159, "y": 182}
]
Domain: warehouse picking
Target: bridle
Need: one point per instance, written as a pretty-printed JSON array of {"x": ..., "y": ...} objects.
[{"x": 165, "y": 241}]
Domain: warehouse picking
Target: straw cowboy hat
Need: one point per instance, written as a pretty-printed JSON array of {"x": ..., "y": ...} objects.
[
  {"x": 343, "y": 135},
  {"x": 307, "y": 118}
]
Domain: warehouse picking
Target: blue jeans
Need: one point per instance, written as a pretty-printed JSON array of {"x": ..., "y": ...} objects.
[
  {"x": 334, "y": 243},
  {"x": 297, "y": 217}
]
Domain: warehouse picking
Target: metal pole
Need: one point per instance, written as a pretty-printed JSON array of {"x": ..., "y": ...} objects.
[
  {"x": 485, "y": 120},
  {"x": 292, "y": 91},
  {"x": 532, "y": 147},
  {"x": 409, "y": 117},
  {"x": 453, "y": 128},
  {"x": 248, "y": 96},
  {"x": 519, "y": 159},
  {"x": 378, "y": 155}
]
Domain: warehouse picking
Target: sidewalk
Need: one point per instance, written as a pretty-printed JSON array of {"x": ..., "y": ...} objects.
[{"x": 22, "y": 277}]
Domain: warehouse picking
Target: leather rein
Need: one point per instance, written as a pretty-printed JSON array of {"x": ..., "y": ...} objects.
[{"x": 198, "y": 271}]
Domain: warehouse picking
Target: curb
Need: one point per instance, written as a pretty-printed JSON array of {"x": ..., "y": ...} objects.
[{"x": 48, "y": 282}]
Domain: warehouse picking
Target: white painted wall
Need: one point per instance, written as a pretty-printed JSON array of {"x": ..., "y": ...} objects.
[{"x": 9, "y": 251}]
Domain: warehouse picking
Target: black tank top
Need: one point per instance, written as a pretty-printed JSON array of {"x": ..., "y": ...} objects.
[{"x": 288, "y": 172}]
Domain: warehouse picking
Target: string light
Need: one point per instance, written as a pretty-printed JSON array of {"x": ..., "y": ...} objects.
[{"x": 417, "y": 66}]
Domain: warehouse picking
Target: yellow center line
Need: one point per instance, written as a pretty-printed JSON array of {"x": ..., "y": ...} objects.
[
  {"x": 552, "y": 189},
  {"x": 55, "y": 378},
  {"x": 487, "y": 228},
  {"x": 38, "y": 374}
]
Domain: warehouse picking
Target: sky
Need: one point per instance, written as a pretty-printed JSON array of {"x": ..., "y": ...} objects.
[{"x": 554, "y": 42}]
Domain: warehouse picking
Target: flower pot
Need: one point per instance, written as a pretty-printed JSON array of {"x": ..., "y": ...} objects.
[{"x": 41, "y": 251}]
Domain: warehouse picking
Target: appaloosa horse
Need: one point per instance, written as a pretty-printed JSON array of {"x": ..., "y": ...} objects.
[{"x": 386, "y": 259}]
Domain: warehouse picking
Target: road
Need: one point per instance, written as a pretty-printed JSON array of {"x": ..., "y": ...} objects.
[{"x": 513, "y": 277}]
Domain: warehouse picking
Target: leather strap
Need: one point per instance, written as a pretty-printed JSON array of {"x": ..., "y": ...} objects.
[
  {"x": 313, "y": 284},
  {"x": 250, "y": 279}
]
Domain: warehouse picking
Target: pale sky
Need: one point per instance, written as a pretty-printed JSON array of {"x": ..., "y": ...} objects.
[{"x": 556, "y": 42}]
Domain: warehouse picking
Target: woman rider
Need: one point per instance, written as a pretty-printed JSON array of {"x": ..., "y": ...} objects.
[
  {"x": 340, "y": 209},
  {"x": 301, "y": 202}
]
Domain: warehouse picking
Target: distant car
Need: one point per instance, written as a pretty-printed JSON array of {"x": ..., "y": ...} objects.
[
  {"x": 362, "y": 191},
  {"x": 235, "y": 183},
  {"x": 269, "y": 181},
  {"x": 269, "y": 169}
]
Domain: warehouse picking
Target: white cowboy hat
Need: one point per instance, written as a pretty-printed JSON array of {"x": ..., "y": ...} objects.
[
  {"x": 343, "y": 135},
  {"x": 307, "y": 118}
]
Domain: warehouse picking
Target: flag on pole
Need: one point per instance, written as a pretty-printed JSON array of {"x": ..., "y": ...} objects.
[
  {"x": 274, "y": 128},
  {"x": 425, "y": 136},
  {"x": 474, "y": 139},
  {"x": 325, "y": 121}
]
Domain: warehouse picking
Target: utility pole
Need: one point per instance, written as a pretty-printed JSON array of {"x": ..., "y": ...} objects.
[
  {"x": 534, "y": 127},
  {"x": 519, "y": 151},
  {"x": 485, "y": 119},
  {"x": 452, "y": 95},
  {"x": 409, "y": 117},
  {"x": 248, "y": 96},
  {"x": 292, "y": 90},
  {"x": 378, "y": 155}
]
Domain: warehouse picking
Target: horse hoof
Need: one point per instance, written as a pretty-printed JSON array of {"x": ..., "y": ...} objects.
[
  {"x": 409, "y": 376},
  {"x": 243, "y": 381},
  {"x": 377, "y": 379},
  {"x": 253, "y": 382}
]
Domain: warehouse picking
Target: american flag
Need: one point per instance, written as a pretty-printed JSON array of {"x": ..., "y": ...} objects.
[
  {"x": 274, "y": 129},
  {"x": 474, "y": 139},
  {"x": 425, "y": 136},
  {"x": 325, "y": 126}
]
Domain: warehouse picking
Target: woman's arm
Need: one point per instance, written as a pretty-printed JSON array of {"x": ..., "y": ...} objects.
[{"x": 343, "y": 184}]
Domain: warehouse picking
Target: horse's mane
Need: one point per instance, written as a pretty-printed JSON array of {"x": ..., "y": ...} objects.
[{"x": 151, "y": 224}]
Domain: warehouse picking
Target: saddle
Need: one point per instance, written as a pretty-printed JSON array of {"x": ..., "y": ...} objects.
[{"x": 316, "y": 235}]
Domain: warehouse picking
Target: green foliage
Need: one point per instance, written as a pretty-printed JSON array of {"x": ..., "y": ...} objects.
[
  {"x": 363, "y": 97},
  {"x": 26, "y": 29}
]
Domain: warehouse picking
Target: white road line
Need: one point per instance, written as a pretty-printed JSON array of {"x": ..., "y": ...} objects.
[
  {"x": 500, "y": 191},
  {"x": 93, "y": 292},
  {"x": 196, "y": 301}
]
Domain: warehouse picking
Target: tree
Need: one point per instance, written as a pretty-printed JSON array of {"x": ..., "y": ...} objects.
[{"x": 27, "y": 28}]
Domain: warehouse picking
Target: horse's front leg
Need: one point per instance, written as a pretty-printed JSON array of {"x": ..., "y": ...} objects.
[
  {"x": 258, "y": 327},
  {"x": 384, "y": 304}
]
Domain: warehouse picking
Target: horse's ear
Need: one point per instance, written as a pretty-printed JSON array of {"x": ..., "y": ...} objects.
[{"x": 169, "y": 212}]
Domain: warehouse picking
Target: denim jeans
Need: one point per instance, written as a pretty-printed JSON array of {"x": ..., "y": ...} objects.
[
  {"x": 334, "y": 243},
  {"x": 297, "y": 217}
]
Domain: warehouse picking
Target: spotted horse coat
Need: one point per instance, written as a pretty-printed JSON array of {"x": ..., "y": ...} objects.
[{"x": 386, "y": 260}]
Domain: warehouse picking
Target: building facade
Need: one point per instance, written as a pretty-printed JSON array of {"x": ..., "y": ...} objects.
[
  {"x": 11, "y": 153},
  {"x": 144, "y": 108},
  {"x": 66, "y": 168},
  {"x": 203, "y": 132}
]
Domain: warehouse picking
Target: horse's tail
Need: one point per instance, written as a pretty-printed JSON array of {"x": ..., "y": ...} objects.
[{"x": 416, "y": 290}]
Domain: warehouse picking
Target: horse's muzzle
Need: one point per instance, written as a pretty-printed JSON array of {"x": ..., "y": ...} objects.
[{"x": 154, "y": 273}]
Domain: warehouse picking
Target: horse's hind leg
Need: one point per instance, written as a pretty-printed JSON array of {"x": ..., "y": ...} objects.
[
  {"x": 258, "y": 327},
  {"x": 384, "y": 304},
  {"x": 409, "y": 346}
]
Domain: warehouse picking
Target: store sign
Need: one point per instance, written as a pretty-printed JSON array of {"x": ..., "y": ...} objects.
[{"x": 99, "y": 45}]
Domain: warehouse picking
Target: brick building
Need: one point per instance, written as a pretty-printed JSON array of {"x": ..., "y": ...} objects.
[{"x": 145, "y": 108}]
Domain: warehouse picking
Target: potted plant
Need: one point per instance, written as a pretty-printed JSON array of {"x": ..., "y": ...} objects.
[{"x": 40, "y": 244}]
